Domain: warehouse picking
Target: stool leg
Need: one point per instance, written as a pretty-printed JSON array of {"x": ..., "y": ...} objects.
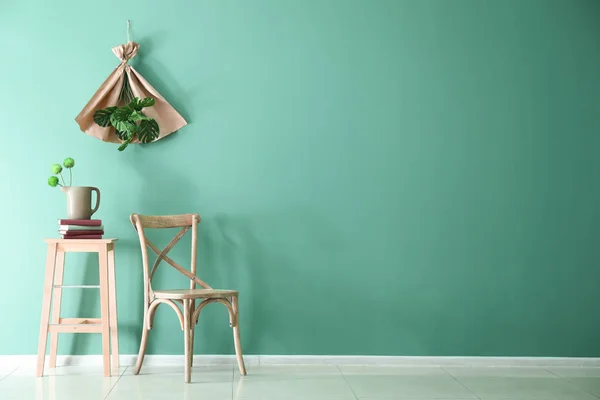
[
  {"x": 104, "y": 307},
  {"x": 58, "y": 280},
  {"x": 114, "y": 333},
  {"x": 47, "y": 300}
]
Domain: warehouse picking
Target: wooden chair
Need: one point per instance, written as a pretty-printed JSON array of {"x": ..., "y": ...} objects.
[{"x": 186, "y": 298}]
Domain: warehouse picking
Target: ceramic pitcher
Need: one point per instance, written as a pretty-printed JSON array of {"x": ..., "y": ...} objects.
[{"x": 79, "y": 201}]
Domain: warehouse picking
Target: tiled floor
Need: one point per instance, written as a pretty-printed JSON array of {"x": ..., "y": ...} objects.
[{"x": 319, "y": 382}]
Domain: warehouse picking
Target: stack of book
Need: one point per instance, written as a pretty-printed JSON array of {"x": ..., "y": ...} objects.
[{"x": 81, "y": 228}]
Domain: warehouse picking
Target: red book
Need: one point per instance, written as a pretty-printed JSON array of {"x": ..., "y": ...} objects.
[
  {"x": 80, "y": 233},
  {"x": 83, "y": 237},
  {"x": 80, "y": 222}
]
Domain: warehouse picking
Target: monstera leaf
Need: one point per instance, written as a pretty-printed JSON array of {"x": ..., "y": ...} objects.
[
  {"x": 120, "y": 119},
  {"x": 148, "y": 131},
  {"x": 138, "y": 116},
  {"x": 138, "y": 104},
  {"x": 102, "y": 117},
  {"x": 147, "y": 102},
  {"x": 129, "y": 121},
  {"x": 122, "y": 135}
]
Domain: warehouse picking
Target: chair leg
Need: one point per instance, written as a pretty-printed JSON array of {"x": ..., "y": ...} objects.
[
  {"x": 191, "y": 345},
  {"x": 144, "y": 341},
  {"x": 192, "y": 330},
  {"x": 187, "y": 340},
  {"x": 236, "y": 336}
]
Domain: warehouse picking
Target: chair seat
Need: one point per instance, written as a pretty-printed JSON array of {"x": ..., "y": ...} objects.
[{"x": 194, "y": 293}]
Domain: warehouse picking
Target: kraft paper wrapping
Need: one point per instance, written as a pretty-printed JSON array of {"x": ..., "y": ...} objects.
[{"x": 107, "y": 95}]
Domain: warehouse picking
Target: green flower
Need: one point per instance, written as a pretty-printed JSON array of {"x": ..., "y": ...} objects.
[
  {"x": 69, "y": 162},
  {"x": 56, "y": 168},
  {"x": 53, "y": 181}
]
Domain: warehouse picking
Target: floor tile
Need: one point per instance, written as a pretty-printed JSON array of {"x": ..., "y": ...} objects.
[
  {"x": 577, "y": 372},
  {"x": 291, "y": 370},
  {"x": 392, "y": 370},
  {"x": 499, "y": 372},
  {"x": 58, "y": 386},
  {"x": 153, "y": 382},
  {"x": 406, "y": 387},
  {"x": 529, "y": 388},
  {"x": 404, "y": 383},
  {"x": 585, "y": 378},
  {"x": 318, "y": 382},
  {"x": 590, "y": 385},
  {"x": 204, "y": 372},
  {"x": 6, "y": 370},
  {"x": 292, "y": 382},
  {"x": 71, "y": 370}
]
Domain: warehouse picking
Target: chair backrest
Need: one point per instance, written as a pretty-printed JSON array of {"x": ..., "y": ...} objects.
[{"x": 183, "y": 221}]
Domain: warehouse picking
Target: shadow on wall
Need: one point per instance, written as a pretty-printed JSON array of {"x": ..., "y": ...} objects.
[
  {"x": 163, "y": 192},
  {"x": 278, "y": 287},
  {"x": 303, "y": 288},
  {"x": 244, "y": 252},
  {"x": 296, "y": 268},
  {"x": 228, "y": 251}
]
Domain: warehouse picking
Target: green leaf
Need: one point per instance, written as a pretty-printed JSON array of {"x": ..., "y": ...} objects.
[
  {"x": 125, "y": 126},
  {"x": 138, "y": 104},
  {"x": 123, "y": 135},
  {"x": 148, "y": 131},
  {"x": 102, "y": 117},
  {"x": 147, "y": 102},
  {"x": 138, "y": 116},
  {"x": 121, "y": 114},
  {"x": 135, "y": 104},
  {"x": 126, "y": 137},
  {"x": 120, "y": 120},
  {"x": 124, "y": 145}
]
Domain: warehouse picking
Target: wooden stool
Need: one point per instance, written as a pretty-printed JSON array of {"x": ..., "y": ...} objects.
[{"x": 106, "y": 324}]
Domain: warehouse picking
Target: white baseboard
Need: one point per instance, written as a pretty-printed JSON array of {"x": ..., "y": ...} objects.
[{"x": 415, "y": 361}]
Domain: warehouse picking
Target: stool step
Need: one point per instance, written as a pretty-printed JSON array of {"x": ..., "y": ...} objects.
[
  {"x": 73, "y": 321},
  {"x": 77, "y": 286},
  {"x": 75, "y": 328}
]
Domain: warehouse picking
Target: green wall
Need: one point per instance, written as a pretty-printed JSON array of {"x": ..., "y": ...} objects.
[{"x": 375, "y": 177}]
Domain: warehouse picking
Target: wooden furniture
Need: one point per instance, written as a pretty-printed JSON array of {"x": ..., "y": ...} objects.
[
  {"x": 186, "y": 298},
  {"x": 106, "y": 324}
]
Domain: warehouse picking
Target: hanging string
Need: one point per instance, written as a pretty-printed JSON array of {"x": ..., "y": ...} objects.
[{"x": 128, "y": 30}]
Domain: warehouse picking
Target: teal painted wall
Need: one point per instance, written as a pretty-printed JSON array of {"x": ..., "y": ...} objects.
[{"x": 376, "y": 177}]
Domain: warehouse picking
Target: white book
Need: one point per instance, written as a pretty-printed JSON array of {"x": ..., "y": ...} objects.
[{"x": 80, "y": 228}]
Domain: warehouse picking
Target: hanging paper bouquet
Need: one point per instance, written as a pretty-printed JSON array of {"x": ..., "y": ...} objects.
[{"x": 126, "y": 109}]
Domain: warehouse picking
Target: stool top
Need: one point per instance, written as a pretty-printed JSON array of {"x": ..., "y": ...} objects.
[{"x": 82, "y": 241}]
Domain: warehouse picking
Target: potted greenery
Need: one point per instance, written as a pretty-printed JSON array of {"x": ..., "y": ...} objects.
[
  {"x": 129, "y": 121},
  {"x": 79, "y": 198},
  {"x": 57, "y": 170}
]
